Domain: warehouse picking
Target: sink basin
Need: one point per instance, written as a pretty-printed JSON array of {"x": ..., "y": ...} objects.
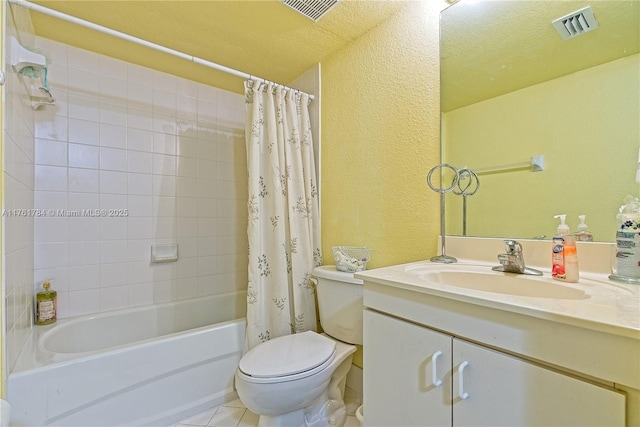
[{"x": 505, "y": 283}]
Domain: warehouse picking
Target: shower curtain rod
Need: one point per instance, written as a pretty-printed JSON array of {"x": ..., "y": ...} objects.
[{"x": 142, "y": 42}]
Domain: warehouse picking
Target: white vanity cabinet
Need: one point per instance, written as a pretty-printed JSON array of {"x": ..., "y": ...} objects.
[
  {"x": 417, "y": 376},
  {"x": 539, "y": 352}
]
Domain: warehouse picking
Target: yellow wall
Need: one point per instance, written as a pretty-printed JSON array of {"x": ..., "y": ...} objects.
[
  {"x": 380, "y": 137},
  {"x": 586, "y": 126}
]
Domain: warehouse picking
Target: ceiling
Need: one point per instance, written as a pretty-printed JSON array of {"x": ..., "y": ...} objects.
[
  {"x": 264, "y": 38},
  {"x": 489, "y": 48}
]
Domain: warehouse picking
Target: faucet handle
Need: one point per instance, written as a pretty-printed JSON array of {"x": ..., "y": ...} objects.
[{"x": 512, "y": 247}]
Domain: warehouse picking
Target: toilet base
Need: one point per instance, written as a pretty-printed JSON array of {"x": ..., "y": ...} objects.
[{"x": 324, "y": 412}]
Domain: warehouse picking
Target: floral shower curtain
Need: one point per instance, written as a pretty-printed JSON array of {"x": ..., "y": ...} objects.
[{"x": 283, "y": 223}]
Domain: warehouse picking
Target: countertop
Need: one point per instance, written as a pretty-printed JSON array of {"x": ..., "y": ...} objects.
[{"x": 603, "y": 305}]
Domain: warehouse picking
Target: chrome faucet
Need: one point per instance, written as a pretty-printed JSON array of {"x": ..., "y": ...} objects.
[{"x": 513, "y": 261}]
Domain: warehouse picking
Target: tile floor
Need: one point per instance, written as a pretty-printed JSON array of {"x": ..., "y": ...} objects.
[{"x": 235, "y": 414}]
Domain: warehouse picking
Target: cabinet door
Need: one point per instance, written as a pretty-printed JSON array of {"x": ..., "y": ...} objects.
[
  {"x": 399, "y": 360},
  {"x": 508, "y": 391}
]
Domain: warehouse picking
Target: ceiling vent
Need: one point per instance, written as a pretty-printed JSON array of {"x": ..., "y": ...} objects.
[
  {"x": 576, "y": 23},
  {"x": 312, "y": 9}
]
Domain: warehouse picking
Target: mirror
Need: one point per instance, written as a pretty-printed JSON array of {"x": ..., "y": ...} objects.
[{"x": 512, "y": 88}]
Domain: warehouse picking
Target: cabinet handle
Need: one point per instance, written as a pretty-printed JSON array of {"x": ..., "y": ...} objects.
[
  {"x": 434, "y": 375},
  {"x": 463, "y": 395}
]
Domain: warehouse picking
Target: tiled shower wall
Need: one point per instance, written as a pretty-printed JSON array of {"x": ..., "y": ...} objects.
[
  {"x": 18, "y": 129},
  {"x": 131, "y": 157},
  {"x": 166, "y": 152}
]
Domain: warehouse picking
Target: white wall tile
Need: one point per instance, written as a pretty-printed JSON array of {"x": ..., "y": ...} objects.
[
  {"x": 113, "y": 159},
  {"x": 50, "y": 200},
  {"x": 139, "y": 250},
  {"x": 141, "y": 140},
  {"x": 84, "y": 131},
  {"x": 164, "y": 164},
  {"x": 83, "y": 180},
  {"x": 83, "y": 156},
  {"x": 113, "y": 112},
  {"x": 140, "y": 96},
  {"x": 83, "y": 201},
  {"x": 51, "y": 230},
  {"x": 139, "y": 119},
  {"x": 83, "y": 229},
  {"x": 113, "y": 274},
  {"x": 164, "y": 143},
  {"x": 84, "y": 277},
  {"x": 83, "y": 253},
  {"x": 113, "y": 88},
  {"x": 113, "y": 136},
  {"x": 140, "y": 228},
  {"x": 113, "y": 251},
  {"x": 83, "y": 302},
  {"x": 139, "y": 183},
  {"x": 84, "y": 60},
  {"x": 113, "y": 228},
  {"x": 113, "y": 182},
  {"x": 51, "y": 255},
  {"x": 49, "y": 152},
  {"x": 139, "y": 75},
  {"x": 140, "y": 294},
  {"x": 50, "y": 178},
  {"x": 83, "y": 107},
  {"x": 113, "y": 298},
  {"x": 140, "y": 162}
]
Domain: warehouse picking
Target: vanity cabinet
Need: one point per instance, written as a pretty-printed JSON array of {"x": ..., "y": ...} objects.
[{"x": 418, "y": 376}]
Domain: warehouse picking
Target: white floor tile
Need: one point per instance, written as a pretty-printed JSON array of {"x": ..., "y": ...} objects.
[
  {"x": 201, "y": 419},
  {"x": 235, "y": 414},
  {"x": 227, "y": 416},
  {"x": 249, "y": 419}
]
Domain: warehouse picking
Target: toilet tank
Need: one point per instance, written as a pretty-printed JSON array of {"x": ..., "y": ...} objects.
[{"x": 339, "y": 303}]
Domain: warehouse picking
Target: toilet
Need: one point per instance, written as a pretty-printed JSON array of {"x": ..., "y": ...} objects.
[{"x": 299, "y": 380}]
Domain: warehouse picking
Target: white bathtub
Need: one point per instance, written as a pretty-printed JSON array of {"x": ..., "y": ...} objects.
[{"x": 147, "y": 366}]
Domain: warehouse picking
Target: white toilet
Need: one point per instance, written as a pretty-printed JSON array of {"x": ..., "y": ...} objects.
[{"x": 299, "y": 380}]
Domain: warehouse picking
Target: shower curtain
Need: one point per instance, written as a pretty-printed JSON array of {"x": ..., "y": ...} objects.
[{"x": 283, "y": 223}]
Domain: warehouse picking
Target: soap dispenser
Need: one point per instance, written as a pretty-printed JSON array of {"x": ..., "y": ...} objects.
[
  {"x": 583, "y": 235},
  {"x": 564, "y": 255},
  {"x": 46, "y": 304}
]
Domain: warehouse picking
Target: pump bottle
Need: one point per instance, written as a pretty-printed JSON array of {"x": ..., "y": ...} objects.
[
  {"x": 564, "y": 255},
  {"x": 46, "y": 304},
  {"x": 583, "y": 235}
]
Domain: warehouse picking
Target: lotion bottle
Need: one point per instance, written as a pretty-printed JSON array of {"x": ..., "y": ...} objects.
[
  {"x": 46, "y": 304},
  {"x": 583, "y": 235},
  {"x": 564, "y": 255}
]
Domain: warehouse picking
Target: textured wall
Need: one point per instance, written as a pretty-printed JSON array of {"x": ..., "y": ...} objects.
[
  {"x": 576, "y": 121},
  {"x": 380, "y": 137}
]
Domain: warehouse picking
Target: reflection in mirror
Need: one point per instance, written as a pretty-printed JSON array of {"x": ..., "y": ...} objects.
[{"x": 513, "y": 88}]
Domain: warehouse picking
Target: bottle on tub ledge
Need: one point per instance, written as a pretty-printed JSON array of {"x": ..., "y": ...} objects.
[
  {"x": 564, "y": 255},
  {"x": 46, "y": 304}
]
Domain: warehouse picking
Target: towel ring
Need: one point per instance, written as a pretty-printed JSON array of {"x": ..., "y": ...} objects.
[{"x": 441, "y": 189}]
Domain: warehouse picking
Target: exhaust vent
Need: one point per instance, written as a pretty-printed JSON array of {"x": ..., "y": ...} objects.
[
  {"x": 312, "y": 9},
  {"x": 576, "y": 23}
]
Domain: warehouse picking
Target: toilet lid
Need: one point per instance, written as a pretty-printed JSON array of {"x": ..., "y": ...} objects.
[{"x": 287, "y": 355}]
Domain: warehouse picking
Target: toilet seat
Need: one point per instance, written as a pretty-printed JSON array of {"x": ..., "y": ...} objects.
[{"x": 288, "y": 358}]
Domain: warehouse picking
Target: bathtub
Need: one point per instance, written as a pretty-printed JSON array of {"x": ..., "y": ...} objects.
[{"x": 147, "y": 366}]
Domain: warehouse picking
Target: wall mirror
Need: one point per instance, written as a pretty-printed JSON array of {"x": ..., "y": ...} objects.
[{"x": 513, "y": 88}]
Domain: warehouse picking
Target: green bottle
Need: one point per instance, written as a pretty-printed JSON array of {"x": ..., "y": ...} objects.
[{"x": 46, "y": 304}]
